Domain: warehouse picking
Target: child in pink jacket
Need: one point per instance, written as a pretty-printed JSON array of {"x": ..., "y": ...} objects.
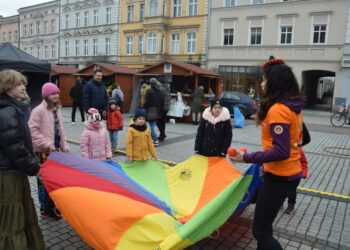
[
  {"x": 94, "y": 142},
  {"x": 46, "y": 128}
]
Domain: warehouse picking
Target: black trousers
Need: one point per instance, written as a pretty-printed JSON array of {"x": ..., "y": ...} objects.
[
  {"x": 161, "y": 121},
  {"x": 271, "y": 198},
  {"x": 74, "y": 109}
]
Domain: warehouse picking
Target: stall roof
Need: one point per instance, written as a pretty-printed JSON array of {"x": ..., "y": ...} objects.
[
  {"x": 59, "y": 69},
  {"x": 113, "y": 68},
  {"x": 12, "y": 57},
  {"x": 185, "y": 66}
]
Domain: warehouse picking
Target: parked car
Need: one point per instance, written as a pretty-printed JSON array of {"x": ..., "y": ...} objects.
[{"x": 245, "y": 104}]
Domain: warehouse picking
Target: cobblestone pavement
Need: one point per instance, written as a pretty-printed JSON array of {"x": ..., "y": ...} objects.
[{"x": 320, "y": 221}]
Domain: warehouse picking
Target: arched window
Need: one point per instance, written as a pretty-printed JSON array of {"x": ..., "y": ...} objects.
[{"x": 152, "y": 43}]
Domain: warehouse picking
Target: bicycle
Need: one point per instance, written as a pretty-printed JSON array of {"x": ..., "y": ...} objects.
[{"x": 342, "y": 116}]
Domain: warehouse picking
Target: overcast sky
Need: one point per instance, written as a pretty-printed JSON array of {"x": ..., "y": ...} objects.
[{"x": 11, "y": 6}]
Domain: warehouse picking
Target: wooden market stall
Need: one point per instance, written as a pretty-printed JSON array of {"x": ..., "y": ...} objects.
[
  {"x": 113, "y": 73},
  {"x": 65, "y": 79},
  {"x": 185, "y": 78}
]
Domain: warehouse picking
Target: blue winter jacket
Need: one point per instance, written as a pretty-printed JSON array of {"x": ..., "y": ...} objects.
[{"x": 95, "y": 96}]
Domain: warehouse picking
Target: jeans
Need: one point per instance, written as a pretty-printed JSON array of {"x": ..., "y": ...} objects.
[
  {"x": 271, "y": 198},
  {"x": 196, "y": 117},
  {"x": 113, "y": 136},
  {"x": 74, "y": 109},
  {"x": 154, "y": 135}
]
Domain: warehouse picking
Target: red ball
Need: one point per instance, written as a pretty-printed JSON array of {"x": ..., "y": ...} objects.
[
  {"x": 231, "y": 152},
  {"x": 243, "y": 150}
]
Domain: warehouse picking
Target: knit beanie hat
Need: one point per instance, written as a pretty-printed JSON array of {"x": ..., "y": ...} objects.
[
  {"x": 139, "y": 112},
  {"x": 48, "y": 89},
  {"x": 94, "y": 115},
  {"x": 112, "y": 101},
  {"x": 214, "y": 102},
  {"x": 153, "y": 80}
]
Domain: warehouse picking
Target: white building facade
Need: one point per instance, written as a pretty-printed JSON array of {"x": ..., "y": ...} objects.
[
  {"x": 313, "y": 36},
  {"x": 9, "y": 30},
  {"x": 89, "y": 31},
  {"x": 39, "y": 30}
]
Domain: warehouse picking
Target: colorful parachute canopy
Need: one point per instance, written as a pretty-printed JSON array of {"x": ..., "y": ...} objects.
[{"x": 147, "y": 205}]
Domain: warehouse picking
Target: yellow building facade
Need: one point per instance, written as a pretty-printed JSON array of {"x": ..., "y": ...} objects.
[{"x": 155, "y": 30}]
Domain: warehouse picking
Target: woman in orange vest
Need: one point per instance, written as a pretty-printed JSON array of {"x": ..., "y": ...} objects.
[{"x": 281, "y": 126}]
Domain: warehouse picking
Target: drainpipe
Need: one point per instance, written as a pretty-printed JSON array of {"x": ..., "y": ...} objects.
[{"x": 207, "y": 35}]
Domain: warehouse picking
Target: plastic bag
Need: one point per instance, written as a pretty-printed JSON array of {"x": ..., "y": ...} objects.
[{"x": 238, "y": 118}]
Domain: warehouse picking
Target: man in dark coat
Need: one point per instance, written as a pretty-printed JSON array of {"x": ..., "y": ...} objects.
[
  {"x": 154, "y": 104},
  {"x": 76, "y": 93},
  {"x": 95, "y": 94},
  {"x": 161, "y": 122}
]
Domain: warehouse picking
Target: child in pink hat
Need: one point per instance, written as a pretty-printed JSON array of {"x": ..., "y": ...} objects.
[
  {"x": 47, "y": 131},
  {"x": 94, "y": 142}
]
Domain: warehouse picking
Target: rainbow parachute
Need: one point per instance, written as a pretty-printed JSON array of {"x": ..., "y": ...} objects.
[{"x": 147, "y": 205}]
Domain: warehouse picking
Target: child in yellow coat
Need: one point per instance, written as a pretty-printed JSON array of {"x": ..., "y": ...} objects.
[{"x": 139, "y": 143}]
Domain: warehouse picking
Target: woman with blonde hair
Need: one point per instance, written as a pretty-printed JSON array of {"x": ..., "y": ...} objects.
[{"x": 19, "y": 227}]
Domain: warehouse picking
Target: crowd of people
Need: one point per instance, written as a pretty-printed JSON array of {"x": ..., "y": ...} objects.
[{"x": 27, "y": 138}]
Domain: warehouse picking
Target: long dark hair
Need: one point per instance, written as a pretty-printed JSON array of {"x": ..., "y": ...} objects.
[{"x": 280, "y": 84}]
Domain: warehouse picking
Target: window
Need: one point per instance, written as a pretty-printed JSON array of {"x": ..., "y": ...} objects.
[
  {"x": 319, "y": 33},
  {"x": 31, "y": 50},
  {"x": 191, "y": 43},
  {"x": 31, "y": 29},
  {"x": 142, "y": 11},
  {"x": 257, "y": 1},
  {"x": 94, "y": 47},
  {"x": 108, "y": 15},
  {"x": 46, "y": 27},
  {"x": 77, "y": 20},
  {"x": 286, "y": 34},
  {"x": 130, "y": 13},
  {"x": 67, "y": 21},
  {"x": 151, "y": 43},
  {"x": 228, "y": 37},
  {"x": 175, "y": 43},
  {"x": 25, "y": 30},
  {"x": 177, "y": 8},
  {"x": 9, "y": 36},
  {"x": 255, "y": 35},
  {"x": 95, "y": 17},
  {"x": 53, "y": 26},
  {"x": 16, "y": 35},
  {"x": 108, "y": 46},
  {"x": 25, "y": 49},
  {"x": 77, "y": 48},
  {"x": 38, "y": 31},
  {"x": 38, "y": 50},
  {"x": 4, "y": 37},
  {"x": 140, "y": 45},
  {"x": 86, "y": 47},
  {"x": 53, "y": 51},
  {"x": 46, "y": 51},
  {"x": 230, "y": 3},
  {"x": 192, "y": 7},
  {"x": 129, "y": 44},
  {"x": 66, "y": 48},
  {"x": 86, "y": 18},
  {"x": 153, "y": 8}
]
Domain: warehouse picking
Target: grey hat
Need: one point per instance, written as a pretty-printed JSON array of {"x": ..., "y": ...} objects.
[{"x": 153, "y": 80}]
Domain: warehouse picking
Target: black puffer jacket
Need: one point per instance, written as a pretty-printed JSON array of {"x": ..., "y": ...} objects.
[
  {"x": 76, "y": 92},
  {"x": 214, "y": 135},
  {"x": 16, "y": 150},
  {"x": 154, "y": 99}
]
